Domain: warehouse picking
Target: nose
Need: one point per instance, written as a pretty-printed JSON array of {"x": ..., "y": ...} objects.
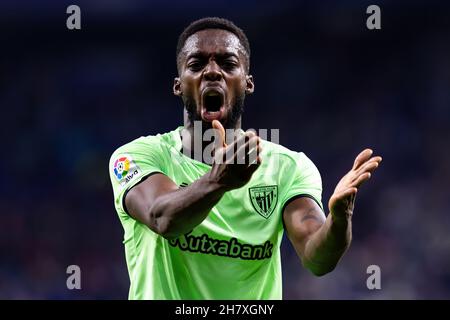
[{"x": 212, "y": 72}]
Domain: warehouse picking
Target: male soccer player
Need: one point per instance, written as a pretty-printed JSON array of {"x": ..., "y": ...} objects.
[{"x": 195, "y": 230}]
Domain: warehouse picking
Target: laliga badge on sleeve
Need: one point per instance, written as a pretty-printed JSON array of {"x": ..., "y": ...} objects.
[{"x": 125, "y": 169}]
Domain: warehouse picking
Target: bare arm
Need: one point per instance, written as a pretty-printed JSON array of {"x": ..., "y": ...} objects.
[
  {"x": 320, "y": 242},
  {"x": 171, "y": 211},
  {"x": 168, "y": 210}
]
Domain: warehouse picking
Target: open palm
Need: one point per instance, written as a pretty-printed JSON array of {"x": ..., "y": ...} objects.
[{"x": 342, "y": 201}]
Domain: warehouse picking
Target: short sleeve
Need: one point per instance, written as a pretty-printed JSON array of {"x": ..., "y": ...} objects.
[
  {"x": 131, "y": 163},
  {"x": 302, "y": 178}
]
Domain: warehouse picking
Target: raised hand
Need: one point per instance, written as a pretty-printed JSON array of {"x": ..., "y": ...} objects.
[
  {"x": 234, "y": 164},
  {"x": 342, "y": 201}
]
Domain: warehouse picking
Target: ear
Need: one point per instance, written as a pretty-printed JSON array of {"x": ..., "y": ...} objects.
[
  {"x": 177, "y": 87},
  {"x": 249, "y": 84}
]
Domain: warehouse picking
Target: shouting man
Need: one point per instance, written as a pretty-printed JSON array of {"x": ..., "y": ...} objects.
[{"x": 198, "y": 229}]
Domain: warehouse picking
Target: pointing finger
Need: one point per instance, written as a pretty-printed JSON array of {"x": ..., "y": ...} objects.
[{"x": 218, "y": 126}]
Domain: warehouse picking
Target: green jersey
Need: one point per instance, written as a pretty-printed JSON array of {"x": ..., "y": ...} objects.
[{"x": 235, "y": 252}]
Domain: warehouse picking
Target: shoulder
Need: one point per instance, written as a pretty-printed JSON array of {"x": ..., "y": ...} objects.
[
  {"x": 132, "y": 161},
  {"x": 286, "y": 157},
  {"x": 297, "y": 174},
  {"x": 147, "y": 145}
]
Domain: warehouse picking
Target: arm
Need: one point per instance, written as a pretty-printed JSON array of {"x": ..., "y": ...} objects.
[
  {"x": 169, "y": 211},
  {"x": 320, "y": 242}
]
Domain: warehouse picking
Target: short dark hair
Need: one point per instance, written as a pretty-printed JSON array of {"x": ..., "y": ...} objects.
[{"x": 214, "y": 23}]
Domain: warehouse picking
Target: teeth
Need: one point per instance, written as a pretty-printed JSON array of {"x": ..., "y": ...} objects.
[{"x": 212, "y": 94}]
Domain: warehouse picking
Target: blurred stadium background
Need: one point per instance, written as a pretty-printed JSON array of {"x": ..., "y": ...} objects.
[{"x": 331, "y": 86}]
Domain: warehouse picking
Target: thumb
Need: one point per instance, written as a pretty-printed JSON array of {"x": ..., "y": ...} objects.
[{"x": 218, "y": 126}]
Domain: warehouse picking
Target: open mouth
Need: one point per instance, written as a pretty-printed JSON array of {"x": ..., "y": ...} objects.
[{"x": 212, "y": 104}]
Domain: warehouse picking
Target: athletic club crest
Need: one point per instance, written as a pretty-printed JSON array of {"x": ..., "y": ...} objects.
[{"x": 264, "y": 199}]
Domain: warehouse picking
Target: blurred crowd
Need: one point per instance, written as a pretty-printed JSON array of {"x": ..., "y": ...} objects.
[{"x": 332, "y": 87}]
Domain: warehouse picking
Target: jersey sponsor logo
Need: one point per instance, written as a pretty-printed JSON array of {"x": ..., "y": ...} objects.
[
  {"x": 264, "y": 199},
  {"x": 229, "y": 248},
  {"x": 125, "y": 169}
]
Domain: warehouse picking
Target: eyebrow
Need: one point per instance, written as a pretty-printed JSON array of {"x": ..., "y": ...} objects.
[{"x": 200, "y": 55}]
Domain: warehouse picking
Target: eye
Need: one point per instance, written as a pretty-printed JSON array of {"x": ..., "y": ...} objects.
[
  {"x": 229, "y": 65},
  {"x": 195, "y": 66}
]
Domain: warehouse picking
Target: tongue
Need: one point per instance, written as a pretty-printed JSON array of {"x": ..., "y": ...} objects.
[{"x": 211, "y": 115}]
